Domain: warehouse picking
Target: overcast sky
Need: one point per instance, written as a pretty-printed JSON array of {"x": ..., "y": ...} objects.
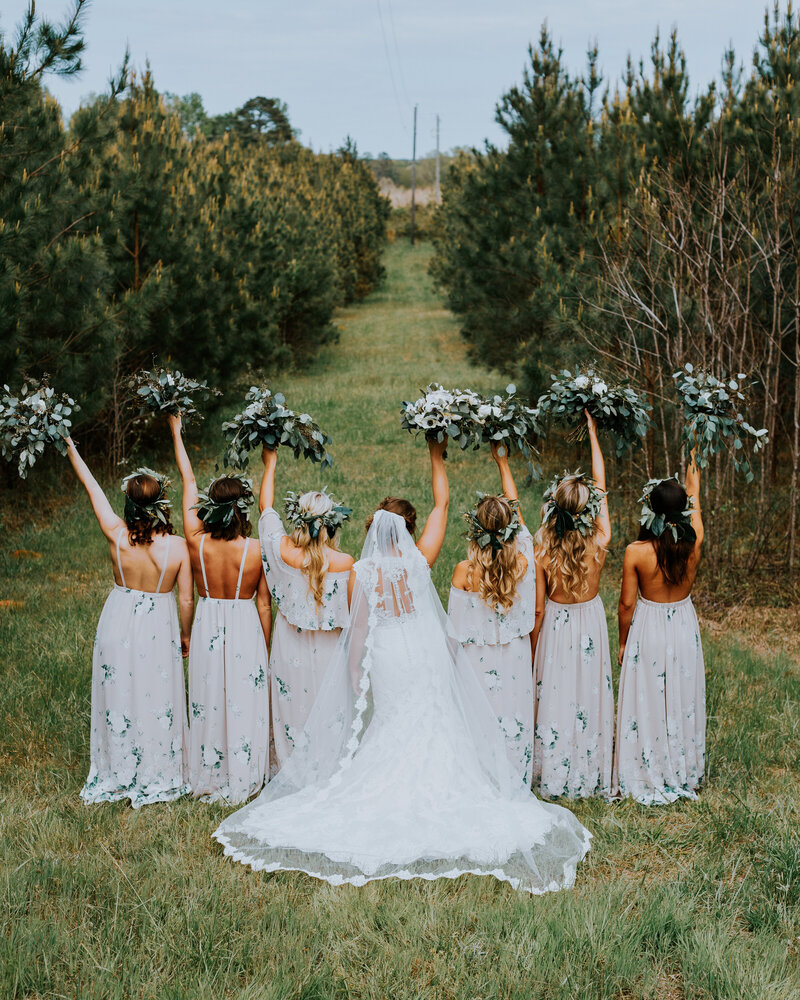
[{"x": 357, "y": 67}]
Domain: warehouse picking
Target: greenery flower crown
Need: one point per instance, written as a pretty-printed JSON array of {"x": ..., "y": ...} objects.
[
  {"x": 212, "y": 511},
  {"x": 565, "y": 520},
  {"x": 679, "y": 522},
  {"x": 147, "y": 511},
  {"x": 497, "y": 537},
  {"x": 300, "y": 517}
]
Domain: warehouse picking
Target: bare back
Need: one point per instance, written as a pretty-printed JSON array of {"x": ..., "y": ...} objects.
[
  {"x": 139, "y": 567},
  {"x": 222, "y": 561},
  {"x": 651, "y": 582},
  {"x": 292, "y": 555},
  {"x": 593, "y": 568}
]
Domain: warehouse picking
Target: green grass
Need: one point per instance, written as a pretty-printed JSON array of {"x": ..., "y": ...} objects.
[{"x": 697, "y": 900}]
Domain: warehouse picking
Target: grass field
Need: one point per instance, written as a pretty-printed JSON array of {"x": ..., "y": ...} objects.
[{"x": 696, "y": 900}]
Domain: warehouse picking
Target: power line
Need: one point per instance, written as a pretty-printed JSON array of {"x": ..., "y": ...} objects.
[
  {"x": 391, "y": 71},
  {"x": 397, "y": 53}
]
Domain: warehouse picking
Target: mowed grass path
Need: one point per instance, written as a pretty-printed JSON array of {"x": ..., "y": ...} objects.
[{"x": 698, "y": 900}]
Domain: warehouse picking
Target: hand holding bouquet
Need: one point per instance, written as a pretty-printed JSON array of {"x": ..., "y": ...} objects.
[
  {"x": 617, "y": 409},
  {"x": 712, "y": 409},
  {"x": 444, "y": 414},
  {"x": 266, "y": 421},
  {"x": 32, "y": 420},
  {"x": 162, "y": 391},
  {"x": 507, "y": 422}
]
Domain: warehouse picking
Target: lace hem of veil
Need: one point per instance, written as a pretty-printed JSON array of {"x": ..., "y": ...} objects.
[{"x": 516, "y": 870}]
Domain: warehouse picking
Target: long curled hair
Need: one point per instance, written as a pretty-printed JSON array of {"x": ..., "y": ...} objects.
[
  {"x": 143, "y": 491},
  {"x": 567, "y": 558},
  {"x": 669, "y": 498},
  {"x": 493, "y": 573},
  {"x": 315, "y": 560},
  {"x": 397, "y": 505}
]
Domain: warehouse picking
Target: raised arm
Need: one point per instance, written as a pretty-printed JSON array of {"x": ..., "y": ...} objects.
[
  {"x": 627, "y": 598},
  {"x": 109, "y": 522},
  {"x": 507, "y": 483},
  {"x": 185, "y": 602},
  {"x": 693, "y": 491},
  {"x": 432, "y": 539},
  {"x": 603, "y": 529},
  {"x": 266, "y": 498},
  {"x": 192, "y": 525}
]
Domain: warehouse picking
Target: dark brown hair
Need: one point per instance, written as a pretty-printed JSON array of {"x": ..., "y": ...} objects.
[
  {"x": 224, "y": 490},
  {"x": 669, "y": 498},
  {"x": 142, "y": 525},
  {"x": 396, "y": 505}
]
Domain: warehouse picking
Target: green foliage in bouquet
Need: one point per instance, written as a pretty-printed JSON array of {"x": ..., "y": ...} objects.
[
  {"x": 163, "y": 391},
  {"x": 712, "y": 408},
  {"x": 444, "y": 414},
  {"x": 31, "y": 421},
  {"x": 508, "y": 422},
  {"x": 267, "y": 421},
  {"x": 617, "y": 409}
]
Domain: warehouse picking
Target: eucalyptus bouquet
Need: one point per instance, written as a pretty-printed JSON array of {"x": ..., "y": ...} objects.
[
  {"x": 617, "y": 409},
  {"x": 267, "y": 421},
  {"x": 31, "y": 421},
  {"x": 163, "y": 391},
  {"x": 712, "y": 408},
  {"x": 445, "y": 414},
  {"x": 508, "y": 422}
]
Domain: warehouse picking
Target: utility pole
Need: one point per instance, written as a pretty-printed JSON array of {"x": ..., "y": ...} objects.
[
  {"x": 413, "y": 174},
  {"x": 437, "y": 191}
]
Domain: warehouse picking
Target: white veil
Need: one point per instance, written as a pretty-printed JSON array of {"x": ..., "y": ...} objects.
[{"x": 394, "y": 604}]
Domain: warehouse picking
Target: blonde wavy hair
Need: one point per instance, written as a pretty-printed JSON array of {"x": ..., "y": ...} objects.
[
  {"x": 495, "y": 571},
  {"x": 315, "y": 560},
  {"x": 567, "y": 558}
]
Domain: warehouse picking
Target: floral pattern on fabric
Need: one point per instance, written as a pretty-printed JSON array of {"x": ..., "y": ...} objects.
[
  {"x": 138, "y": 713},
  {"x": 574, "y": 702}
]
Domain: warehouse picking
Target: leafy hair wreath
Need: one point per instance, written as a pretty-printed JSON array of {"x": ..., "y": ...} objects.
[
  {"x": 212, "y": 511},
  {"x": 564, "y": 520},
  {"x": 300, "y": 517},
  {"x": 153, "y": 511},
  {"x": 679, "y": 522},
  {"x": 497, "y": 538}
]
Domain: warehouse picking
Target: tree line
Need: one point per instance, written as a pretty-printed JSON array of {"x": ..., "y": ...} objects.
[
  {"x": 126, "y": 235},
  {"x": 640, "y": 227}
]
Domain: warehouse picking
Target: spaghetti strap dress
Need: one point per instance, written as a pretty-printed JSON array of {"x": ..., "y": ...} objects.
[
  {"x": 304, "y": 638},
  {"x": 574, "y": 702},
  {"x": 498, "y": 646},
  {"x": 228, "y": 696},
  {"x": 661, "y": 721},
  {"x": 138, "y": 714}
]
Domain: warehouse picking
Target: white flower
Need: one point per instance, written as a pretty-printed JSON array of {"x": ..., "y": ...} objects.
[
  {"x": 252, "y": 410},
  {"x": 39, "y": 405},
  {"x": 582, "y": 382},
  {"x": 484, "y": 411},
  {"x": 599, "y": 388}
]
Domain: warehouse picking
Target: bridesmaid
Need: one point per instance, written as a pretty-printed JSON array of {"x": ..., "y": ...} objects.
[
  {"x": 137, "y": 739},
  {"x": 307, "y": 576},
  {"x": 491, "y": 611},
  {"x": 228, "y": 660},
  {"x": 661, "y": 723},
  {"x": 572, "y": 662}
]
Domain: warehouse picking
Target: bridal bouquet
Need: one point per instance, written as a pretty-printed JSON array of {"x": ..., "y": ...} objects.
[
  {"x": 712, "y": 408},
  {"x": 445, "y": 413},
  {"x": 32, "y": 420},
  {"x": 267, "y": 421},
  {"x": 162, "y": 391},
  {"x": 617, "y": 409},
  {"x": 507, "y": 421}
]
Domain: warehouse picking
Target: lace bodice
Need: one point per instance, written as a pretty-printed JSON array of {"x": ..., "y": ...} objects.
[
  {"x": 474, "y": 622},
  {"x": 289, "y": 586}
]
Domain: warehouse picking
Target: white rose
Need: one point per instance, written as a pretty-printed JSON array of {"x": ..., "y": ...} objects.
[
  {"x": 40, "y": 406},
  {"x": 599, "y": 388},
  {"x": 582, "y": 382},
  {"x": 484, "y": 411},
  {"x": 251, "y": 410}
]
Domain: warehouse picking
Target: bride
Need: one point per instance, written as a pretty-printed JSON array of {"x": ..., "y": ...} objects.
[{"x": 401, "y": 769}]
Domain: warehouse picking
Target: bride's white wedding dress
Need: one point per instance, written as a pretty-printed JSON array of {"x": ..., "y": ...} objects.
[{"x": 401, "y": 769}]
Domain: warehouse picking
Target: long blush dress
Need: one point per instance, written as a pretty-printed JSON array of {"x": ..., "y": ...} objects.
[
  {"x": 137, "y": 738},
  {"x": 498, "y": 646},
  {"x": 228, "y": 696},
  {"x": 304, "y": 638},
  {"x": 661, "y": 721}
]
